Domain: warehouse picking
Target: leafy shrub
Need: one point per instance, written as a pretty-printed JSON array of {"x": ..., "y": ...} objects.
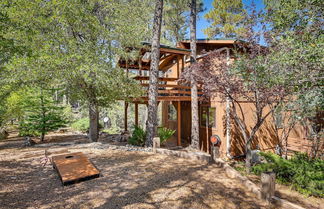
[
  {"x": 83, "y": 125},
  {"x": 165, "y": 134},
  {"x": 138, "y": 137},
  {"x": 305, "y": 174},
  {"x": 112, "y": 130}
]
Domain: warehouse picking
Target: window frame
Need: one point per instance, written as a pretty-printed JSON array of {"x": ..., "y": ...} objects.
[{"x": 208, "y": 117}]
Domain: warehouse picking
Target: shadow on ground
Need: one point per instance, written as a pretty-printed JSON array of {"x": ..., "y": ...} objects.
[{"x": 129, "y": 180}]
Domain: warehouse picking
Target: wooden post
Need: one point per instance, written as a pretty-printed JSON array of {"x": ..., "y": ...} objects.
[
  {"x": 183, "y": 63},
  {"x": 268, "y": 185},
  {"x": 125, "y": 114},
  {"x": 136, "y": 114},
  {"x": 178, "y": 67},
  {"x": 179, "y": 123},
  {"x": 140, "y": 66}
]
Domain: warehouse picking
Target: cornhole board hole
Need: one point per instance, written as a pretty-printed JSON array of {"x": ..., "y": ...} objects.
[{"x": 74, "y": 167}]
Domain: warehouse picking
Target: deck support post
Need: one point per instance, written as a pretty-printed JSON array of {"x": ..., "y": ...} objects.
[
  {"x": 182, "y": 63},
  {"x": 136, "y": 114},
  {"x": 179, "y": 123},
  {"x": 125, "y": 116},
  {"x": 178, "y": 67}
]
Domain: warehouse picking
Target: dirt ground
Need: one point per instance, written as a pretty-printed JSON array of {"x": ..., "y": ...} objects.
[{"x": 129, "y": 179}]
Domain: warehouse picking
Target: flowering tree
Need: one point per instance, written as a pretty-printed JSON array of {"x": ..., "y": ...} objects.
[{"x": 247, "y": 79}]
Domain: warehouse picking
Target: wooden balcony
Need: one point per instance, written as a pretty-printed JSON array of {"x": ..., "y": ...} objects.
[
  {"x": 172, "y": 64},
  {"x": 168, "y": 92}
]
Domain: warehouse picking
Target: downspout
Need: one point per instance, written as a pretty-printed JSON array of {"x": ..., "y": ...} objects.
[{"x": 228, "y": 114}]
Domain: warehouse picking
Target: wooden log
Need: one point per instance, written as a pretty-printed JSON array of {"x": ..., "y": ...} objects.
[{"x": 268, "y": 185}]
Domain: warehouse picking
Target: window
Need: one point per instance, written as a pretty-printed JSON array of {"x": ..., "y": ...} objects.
[
  {"x": 172, "y": 112},
  {"x": 208, "y": 117}
]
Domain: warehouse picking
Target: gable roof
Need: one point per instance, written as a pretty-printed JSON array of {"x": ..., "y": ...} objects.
[{"x": 213, "y": 41}]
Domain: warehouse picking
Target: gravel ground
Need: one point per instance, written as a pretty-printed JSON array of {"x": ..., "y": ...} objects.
[{"x": 129, "y": 179}]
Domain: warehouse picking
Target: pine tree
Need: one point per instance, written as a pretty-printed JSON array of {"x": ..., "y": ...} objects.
[
  {"x": 154, "y": 70},
  {"x": 42, "y": 114},
  {"x": 176, "y": 15},
  {"x": 225, "y": 18},
  {"x": 194, "y": 88}
]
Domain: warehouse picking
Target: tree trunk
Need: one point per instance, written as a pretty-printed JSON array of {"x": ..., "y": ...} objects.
[
  {"x": 43, "y": 131},
  {"x": 151, "y": 127},
  {"x": 42, "y": 137},
  {"x": 94, "y": 121},
  {"x": 194, "y": 89},
  {"x": 248, "y": 158}
]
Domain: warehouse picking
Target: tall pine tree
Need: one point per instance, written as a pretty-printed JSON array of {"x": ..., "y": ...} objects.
[
  {"x": 154, "y": 70},
  {"x": 226, "y": 19}
]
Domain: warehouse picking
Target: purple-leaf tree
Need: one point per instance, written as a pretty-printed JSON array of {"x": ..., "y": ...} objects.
[{"x": 242, "y": 74}]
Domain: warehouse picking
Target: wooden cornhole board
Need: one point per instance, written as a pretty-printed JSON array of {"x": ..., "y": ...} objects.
[{"x": 74, "y": 167}]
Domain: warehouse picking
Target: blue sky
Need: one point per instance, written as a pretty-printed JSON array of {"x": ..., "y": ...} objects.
[{"x": 202, "y": 23}]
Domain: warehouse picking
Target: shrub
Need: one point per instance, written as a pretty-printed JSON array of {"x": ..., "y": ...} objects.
[
  {"x": 138, "y": 137},
  {"x": 165, "y": 134},
  {"x": 305, "y": 174},
  {"x": 83, "y": 125}
]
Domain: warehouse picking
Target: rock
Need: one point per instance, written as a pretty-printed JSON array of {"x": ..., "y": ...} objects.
[
  {"x": 3, "y": 134},
  {"x": 124, "y": 137},
  {"x": 29, "y": 142}
]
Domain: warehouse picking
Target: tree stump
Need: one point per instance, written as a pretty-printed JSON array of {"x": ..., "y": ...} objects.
[
  {"x": 156, "y": 143},
  {"x": 268, "y": 185}
]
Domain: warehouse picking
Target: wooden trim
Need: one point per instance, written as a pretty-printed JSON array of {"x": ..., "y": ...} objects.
[
  {"x": 143, "y": 67},
  {"x": 169, "y": 85},
  {"x": 174, "y": 51},
  {"x": 167, "y": 98},
  {"x": 212, "y": 42},
  {"x": 146, "y": 78}
]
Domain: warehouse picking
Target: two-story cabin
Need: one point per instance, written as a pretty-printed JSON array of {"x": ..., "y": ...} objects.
[{"x": 174, "y": 99}]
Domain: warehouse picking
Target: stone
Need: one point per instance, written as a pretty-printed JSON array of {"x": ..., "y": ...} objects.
[
  {"x": 124, "y": 136},
  {"x": 214, "y": 152},
  {"x": 3, "y": 134},
  {"x": 268, "y": 185},
  {"x": 29, "y": 142},
  {"x": 156, "y": 143}
]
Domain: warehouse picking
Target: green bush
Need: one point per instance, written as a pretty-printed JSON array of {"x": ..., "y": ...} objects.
[
  {"x": 138, "y": 137},
  {"x": 83, "y": 125},
  {"x": 305, "y": 174},
  {"x": 165, "y": 134}
]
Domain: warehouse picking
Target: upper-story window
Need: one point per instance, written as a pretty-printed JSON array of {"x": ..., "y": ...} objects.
[{"x": 208, "y": 117}]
